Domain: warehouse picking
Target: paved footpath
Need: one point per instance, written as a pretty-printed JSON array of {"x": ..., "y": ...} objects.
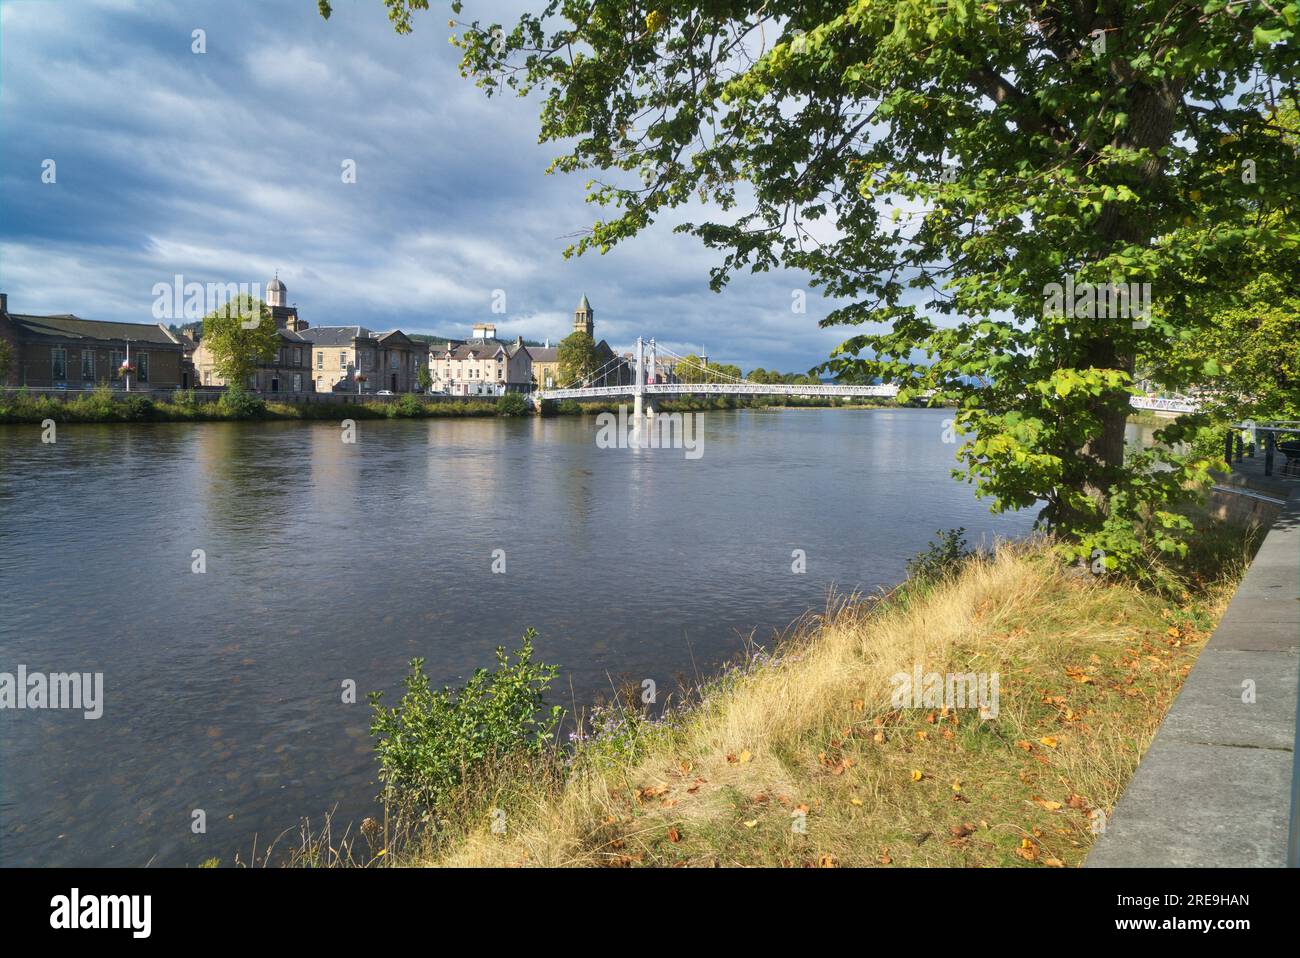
[{"x": 1216, "y": 788}]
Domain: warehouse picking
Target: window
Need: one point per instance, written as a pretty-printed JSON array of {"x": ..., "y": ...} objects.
[
  {"x": 88, "y": 365},
  {"x": 279, "y": 356},
  {"x": 297, "y": 382},
  {"x": 207, "y": 378},
  {"x": 320, "y": 360},
  {"x": 142, "y": 367},
  {"x": 343, "y": 359},
  {"x": 393, "y": 359},
  {"x": 297, "y": 355},
  {"x": 58, "y": 363}
]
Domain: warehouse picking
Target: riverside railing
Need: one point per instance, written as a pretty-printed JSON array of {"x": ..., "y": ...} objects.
[{"x": 1236, "y": 442}]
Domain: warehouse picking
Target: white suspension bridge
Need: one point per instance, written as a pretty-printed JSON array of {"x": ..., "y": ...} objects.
[{"x": 654, "y": 368}]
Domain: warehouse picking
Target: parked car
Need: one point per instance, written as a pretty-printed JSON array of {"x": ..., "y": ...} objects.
[{"x": 384, "y": 392}]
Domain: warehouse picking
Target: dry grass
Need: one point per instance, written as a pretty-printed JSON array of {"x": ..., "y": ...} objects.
[{"x": 1087, "y": 669}]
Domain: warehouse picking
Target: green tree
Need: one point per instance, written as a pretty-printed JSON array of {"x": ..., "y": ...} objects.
[
  {"x": 1252, "y": 355},
  {"x": 424, "y": 379},
  {"x": 6, "y": 360},
  {"x": 1249, "y": 357},
  {"x": 692, "y": 369},
  {"x": 241, "y": 336},
  {"x": 577, "y": 357},
  {"x": 967, "y": 161}
]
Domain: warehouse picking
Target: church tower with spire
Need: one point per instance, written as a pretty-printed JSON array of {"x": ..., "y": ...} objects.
[{"x": 584, "y": 318}]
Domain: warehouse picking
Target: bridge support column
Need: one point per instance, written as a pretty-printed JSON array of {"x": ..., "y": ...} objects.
[{"x": 638, "y": 387}]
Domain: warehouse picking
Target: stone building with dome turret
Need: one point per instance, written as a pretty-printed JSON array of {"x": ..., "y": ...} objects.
[{"x": 289, "y": 372}]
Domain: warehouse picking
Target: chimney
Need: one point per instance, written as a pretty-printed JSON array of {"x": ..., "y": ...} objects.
[{"x": 4, "y": 302}]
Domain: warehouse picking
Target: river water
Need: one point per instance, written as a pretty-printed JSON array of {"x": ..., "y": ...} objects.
[{"x": 327, "y": 562}]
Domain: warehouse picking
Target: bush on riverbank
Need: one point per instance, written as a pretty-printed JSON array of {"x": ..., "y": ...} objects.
[
  {"x": 803, "y": 755},
  {"x": 106, "y": 406},
  {"x": 432, "y": 741}
]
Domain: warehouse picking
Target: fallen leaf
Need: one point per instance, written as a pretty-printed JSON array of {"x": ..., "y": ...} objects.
[
  {"x": 1048, "y": 741},
  {"x": 674, "y": 835},
  {"x": 917, "y": 775},
  {"x": 1046, "y": 803}
]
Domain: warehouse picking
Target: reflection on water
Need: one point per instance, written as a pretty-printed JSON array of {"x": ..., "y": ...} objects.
[{"x": 328, "y": 562}]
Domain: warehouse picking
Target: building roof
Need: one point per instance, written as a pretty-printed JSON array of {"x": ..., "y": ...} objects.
[
  {"x": 584, "y": 306},
  {"x": 481, "y": 348},
  {"x": 68, "y": 326},
  {"x": 544, "y": 354},
  {"x": 336, "y": 335}
]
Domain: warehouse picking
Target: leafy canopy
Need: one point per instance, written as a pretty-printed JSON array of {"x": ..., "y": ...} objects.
[
  {"x": 241, "y": 335},
  {"x": 577, "y": 356}
]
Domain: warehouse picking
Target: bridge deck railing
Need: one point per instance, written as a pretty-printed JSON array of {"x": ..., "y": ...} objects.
[{"x": 750, "y": 389}]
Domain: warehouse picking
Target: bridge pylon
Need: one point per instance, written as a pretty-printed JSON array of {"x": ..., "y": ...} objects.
[{"x": 638, "y": 387}]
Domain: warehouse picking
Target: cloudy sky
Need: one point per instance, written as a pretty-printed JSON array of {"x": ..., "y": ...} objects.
[{"x": 227, "y": 166}]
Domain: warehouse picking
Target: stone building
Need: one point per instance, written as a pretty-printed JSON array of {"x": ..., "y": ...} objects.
[
  {"x": 288, "y": 372},
  {"x": 68, "y": 352},
  {"x": 356, "y": 359},
  {"x": 480, "y": 366}
]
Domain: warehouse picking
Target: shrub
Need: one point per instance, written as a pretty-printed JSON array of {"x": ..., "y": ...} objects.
[
  {"x": 433, "y": 740},
  {"x": 408, "y": 406},
  {"x": 98, "y": 406},
  {"x": 238, "y": 403},
  {"x": 512, "y": 404},
  {"x": 137, "y": 408},
  {"x": 943, "y": 557}
]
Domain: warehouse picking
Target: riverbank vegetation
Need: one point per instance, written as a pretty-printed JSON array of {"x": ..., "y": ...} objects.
[
  {"x": 104, "y": 405},
  {"x": 802, "y": 755}
]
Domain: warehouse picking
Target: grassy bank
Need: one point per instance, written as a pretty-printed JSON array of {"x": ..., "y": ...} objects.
[
  {"x": 801, "y": 758},
  {"x": 105, "y": 406}
]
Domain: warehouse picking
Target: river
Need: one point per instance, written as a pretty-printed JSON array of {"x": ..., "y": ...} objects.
[{"x": 327, "y": 561}]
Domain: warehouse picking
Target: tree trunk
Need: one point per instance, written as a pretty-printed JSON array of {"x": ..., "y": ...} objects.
[{"x": 1151, "y": 120}]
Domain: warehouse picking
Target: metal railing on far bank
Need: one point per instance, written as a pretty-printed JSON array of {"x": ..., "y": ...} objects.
[{"x": 1244, "y": 439}]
